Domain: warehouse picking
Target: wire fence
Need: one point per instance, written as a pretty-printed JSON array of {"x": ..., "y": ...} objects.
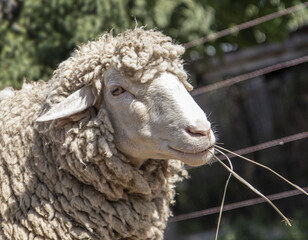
[
  {"x": 245, "y": 25},
  {"x": 235, "y": 80},
  {"x": 269, "y": 144},
  {"x": 250, "y": 202},
  {"x": 236, "y": 205},
  {"x": 253, "y": 74},
  {"x": 231, "y": 81}
]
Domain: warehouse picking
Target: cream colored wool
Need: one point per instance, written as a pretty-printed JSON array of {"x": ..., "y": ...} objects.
[{"x": 65, "y": 179}]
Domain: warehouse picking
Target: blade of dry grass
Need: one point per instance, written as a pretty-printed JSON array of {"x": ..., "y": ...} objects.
[
  {"x": 242, "y": 180},
  {"x": 223, "y": 199},
  {"x": 263, "y": 166}
]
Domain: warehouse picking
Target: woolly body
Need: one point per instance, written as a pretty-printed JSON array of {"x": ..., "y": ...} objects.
[{"x": 66, "y": 178}]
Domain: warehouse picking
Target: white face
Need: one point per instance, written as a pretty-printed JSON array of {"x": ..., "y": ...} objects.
[{"x": 157, "y": 120}]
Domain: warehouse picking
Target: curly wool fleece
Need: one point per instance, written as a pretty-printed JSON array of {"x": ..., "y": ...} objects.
[{"x": 65, "y": 179}]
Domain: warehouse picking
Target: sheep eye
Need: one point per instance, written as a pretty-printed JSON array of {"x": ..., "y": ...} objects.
[{"x": 116, "y": 91}]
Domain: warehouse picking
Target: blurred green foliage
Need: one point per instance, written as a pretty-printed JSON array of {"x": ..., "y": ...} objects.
[{"x": 36, "y": 35}]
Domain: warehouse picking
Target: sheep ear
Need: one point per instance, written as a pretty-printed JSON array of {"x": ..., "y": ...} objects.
[{"x": 74, "y": 103}]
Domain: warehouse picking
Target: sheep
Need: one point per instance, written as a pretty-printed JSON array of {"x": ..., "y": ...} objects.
[{"x": 96, "y": 151}]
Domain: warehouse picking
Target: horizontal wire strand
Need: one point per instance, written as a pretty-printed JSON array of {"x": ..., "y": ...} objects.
[
  {"x": 269, "y": 144},
  {"x": 236, "y": 205},
  {"x": 250, "y": 75},
  {"x": 245, "y": 25}
]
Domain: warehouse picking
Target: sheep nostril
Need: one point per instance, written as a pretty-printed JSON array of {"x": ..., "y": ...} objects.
[{"x": 198, "y": 132}]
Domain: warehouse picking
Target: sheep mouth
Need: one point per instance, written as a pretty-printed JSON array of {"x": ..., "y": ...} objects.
[
  {"x": 194, "y": 159},
  {"x": 196, "y": 153}
]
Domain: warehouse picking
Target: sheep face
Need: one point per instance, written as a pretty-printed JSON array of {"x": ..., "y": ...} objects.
[
  {"x": 157, "y": 120},
  {"x": 138, "y": 77}
]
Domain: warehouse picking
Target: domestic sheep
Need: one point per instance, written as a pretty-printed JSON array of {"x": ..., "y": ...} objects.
[{"x": 90, "y": 154}]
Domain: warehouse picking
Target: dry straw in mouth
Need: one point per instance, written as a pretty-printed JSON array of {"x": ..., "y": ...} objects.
[
  {"x": 220, "y": 150},
  {"x": 223, "y": 198},
  {"x": 260, "y": 165}
]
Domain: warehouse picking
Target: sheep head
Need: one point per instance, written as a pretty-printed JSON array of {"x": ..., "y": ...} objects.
[{"x": 138, "y": 79}]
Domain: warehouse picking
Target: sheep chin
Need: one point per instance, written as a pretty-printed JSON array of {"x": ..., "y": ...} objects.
[{"x": 194, "y": 159}]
